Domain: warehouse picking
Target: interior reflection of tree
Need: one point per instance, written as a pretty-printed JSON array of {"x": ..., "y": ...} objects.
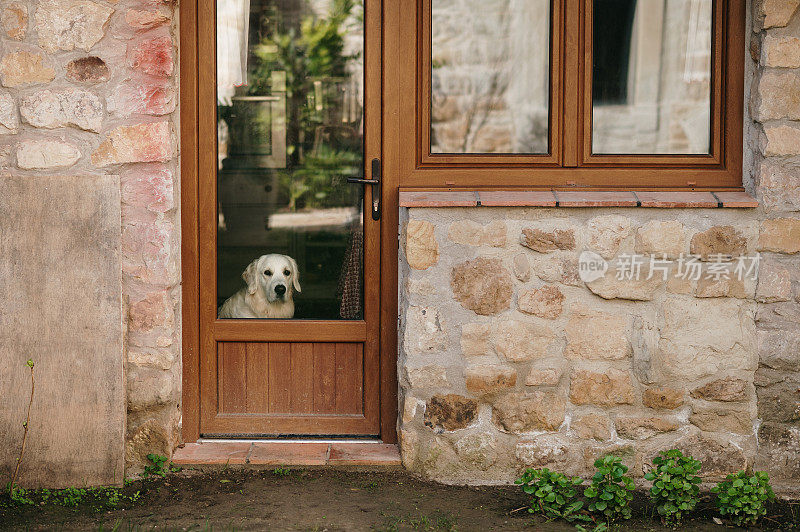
[{"x": 289, "y": 138}]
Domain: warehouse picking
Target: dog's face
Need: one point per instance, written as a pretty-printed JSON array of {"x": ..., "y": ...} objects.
[{"x": 276, "y": 275}]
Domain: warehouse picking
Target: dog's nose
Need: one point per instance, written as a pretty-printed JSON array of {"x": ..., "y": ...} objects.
[{"x": 280, "y": 289}]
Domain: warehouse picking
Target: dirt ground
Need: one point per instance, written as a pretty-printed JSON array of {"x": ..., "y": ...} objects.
[{"x": 325, "y": 499}]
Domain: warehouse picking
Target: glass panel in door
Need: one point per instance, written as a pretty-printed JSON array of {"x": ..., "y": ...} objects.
[{"x": 290, "y": 131}]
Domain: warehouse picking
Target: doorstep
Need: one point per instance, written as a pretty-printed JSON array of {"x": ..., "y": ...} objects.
[{"x": 287, "y": 453}]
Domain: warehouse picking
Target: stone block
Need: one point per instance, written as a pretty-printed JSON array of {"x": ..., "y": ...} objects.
[
  {"x": 780, "y": 402},
  {"x": 9, "y": 121},
  {"x": 487, "y": 379},
  {"x": 779, "y": 451},
  {"x": 70, "y": 24},
  {"x": 45, "y": 154},
  {"x": 719, "y": 240},
  {"x": 776, "y": 13},
  {"x": 427, "y": 377},
  {"x": 606, "y": 233},
  {"x": 68, "y": 107},
  {"x": 518, "y": 341},
  {"x": 525, "y": 412},
  {"x": 780, "y": 141},
  {"x": 14, "y": 20},
  {"x": 545, "y": 241},
  {"x": 593, "y": 335},
  {"x": 66, "y": 315},
  {"x": 474, "y": 234},
  {"x": 545, "y": 302},
  {"x": 422, "y": 249},
  {"x": 145, "y": 19},
  {"x": 478, "y": 451},
  {"x": 153, "y": 57},
  {"x": 592, "y": 427},
  {"x": 475, "y": 339},
  {"x": 482, "y": 285},
  {"x": 24, "y": 68},
  {"x": 522, "y": 267},
  {"x": 710, "y": 419},
  {"x": 663, "y": 398},
  {"x": 781, "y": 52},
  {"x": 450, "y": 412},
  {"x": 779, "y": 94},
  {"x": 781, "y": 235},
  {"x": 641, "y": 428},
  {"x": 729, "y": 389},
  {"x": 661, "y": 238},
  {"x": 424, "y": 333},
  {"x": 701, "y": 337},
  {"x": 89, "y": 69},
  {"x": 140, "y": 143},
  {"x": 609, "y": 388},
  {"x": 774, "y": 283}
]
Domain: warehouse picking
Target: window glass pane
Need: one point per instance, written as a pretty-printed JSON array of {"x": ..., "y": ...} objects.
[
  {"x": 490, "y": 76},
  {"x": 290, "y": 131},
  {"x": 651, "y": 77}
]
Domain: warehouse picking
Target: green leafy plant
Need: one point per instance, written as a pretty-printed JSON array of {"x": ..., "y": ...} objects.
[
  {"x": 156, "y": 469},
  {"x": 12, "y": 486},
  {"x": 742, "y": 497},
  {"x": 281, "y": 472},
  {"x": 553, "y": 494},
  {"x": 676, "y": 487},
  {"x": 610, "y": 492}
]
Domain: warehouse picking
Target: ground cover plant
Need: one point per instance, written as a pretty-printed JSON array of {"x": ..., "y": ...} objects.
[
  {"x": 610, "y": 492},
  {"x": 553, "y": 494},
  {"x": 742, "y": 497},
  {"x": 676, "y": 486}
]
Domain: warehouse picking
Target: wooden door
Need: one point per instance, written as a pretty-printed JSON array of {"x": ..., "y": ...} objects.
[{"x": 279, "y": 132}]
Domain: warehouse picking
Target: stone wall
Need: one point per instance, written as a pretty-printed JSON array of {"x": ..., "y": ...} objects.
[
  {"x": 89, "y": 88},
  {"x": 509, "y": 360},
  {"x": 775, "y": 145}
]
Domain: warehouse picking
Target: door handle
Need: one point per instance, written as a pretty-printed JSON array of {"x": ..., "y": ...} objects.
[{"x": 376, "y": 187}]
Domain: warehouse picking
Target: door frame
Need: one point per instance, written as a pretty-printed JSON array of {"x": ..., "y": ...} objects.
[{"x": 190, "y": 144}]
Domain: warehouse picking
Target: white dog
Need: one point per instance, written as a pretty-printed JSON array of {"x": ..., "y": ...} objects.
[{"x": 271, "y": 280}]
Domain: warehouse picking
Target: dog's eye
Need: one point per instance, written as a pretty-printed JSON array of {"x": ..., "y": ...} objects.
[
  {"x": 268, "y": 273},
  {"x": 286, "y": 272}
]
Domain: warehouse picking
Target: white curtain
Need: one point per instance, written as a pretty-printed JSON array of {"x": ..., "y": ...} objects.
[{"x": 233, "y": 17}]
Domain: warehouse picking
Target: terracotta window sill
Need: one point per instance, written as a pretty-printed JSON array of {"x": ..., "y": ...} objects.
[{"x": 576, "y": 198}]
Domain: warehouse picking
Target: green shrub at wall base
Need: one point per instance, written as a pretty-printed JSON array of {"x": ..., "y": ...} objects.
[
  {"x": 741, "y": 497},
  {"x": 611, "y": 491},
  {"x": 552, "y": 494},
  {"x": 676, "y": 487}
]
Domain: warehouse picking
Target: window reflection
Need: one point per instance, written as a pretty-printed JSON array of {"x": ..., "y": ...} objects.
[
  {"x": 490, "y": 76},
  {"x": 290, "y": 131},
  {"x": 651, "y": 77}
]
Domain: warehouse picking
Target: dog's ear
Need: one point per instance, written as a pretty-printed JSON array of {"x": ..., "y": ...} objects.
[
  {"x": 250, "y": 276},
  {"x": 295, "y": 274}
]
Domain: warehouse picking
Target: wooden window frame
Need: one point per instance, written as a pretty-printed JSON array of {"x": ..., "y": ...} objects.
[{"x": 570, "y": 163}]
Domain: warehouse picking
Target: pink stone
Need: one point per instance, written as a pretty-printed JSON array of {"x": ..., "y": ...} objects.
[
  {"x": 143, "y": 20},
  {"x": 151, "y": 312},
  {"x": 152, "y": 56},
  {"x": 147, "y": 252},
  {"x": 140, "y": 143},
  {"x": 155, "y": 97},
  {"x": 149, "y": 186}
]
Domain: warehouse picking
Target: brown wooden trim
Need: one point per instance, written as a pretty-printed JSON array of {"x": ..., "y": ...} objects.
[
  {"x": 572, "y": 22},
  {"x": 718, "y": 53},
  {"x": 423, "y": 108},
  {"x": 574, "y": 166},
  {"x": 190, "y": 322},
  {"x": 624, "y": 177},
  {"x": 395, "y": 154},
  {"x": 289, "y": 330},
  {"x": 199, "y": 207}
]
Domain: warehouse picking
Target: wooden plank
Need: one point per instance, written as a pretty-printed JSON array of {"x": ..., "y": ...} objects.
[
  {"x": 349, "y": 379},
  {"x": 257, "y": 372},
  {"x": 302, "y": 378},
  {"x": 233, "y": 367},
  {"x": 190, "y": 263},
  {"x": 288, "y": 330},
  {"x": 324, "y": 378},
  {"x": 279, "y": 380}
]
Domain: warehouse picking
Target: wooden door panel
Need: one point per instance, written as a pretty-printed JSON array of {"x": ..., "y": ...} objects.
[{"x": 281, "y": 378}]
